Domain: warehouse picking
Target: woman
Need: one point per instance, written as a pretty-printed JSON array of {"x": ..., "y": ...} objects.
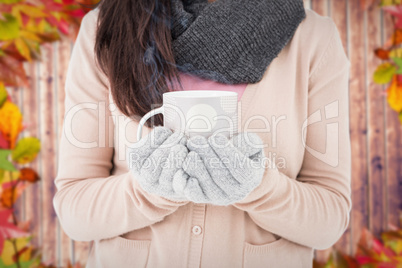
[{"x": 288, "y": 65}]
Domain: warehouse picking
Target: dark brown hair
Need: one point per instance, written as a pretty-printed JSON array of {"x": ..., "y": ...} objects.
[{"x": 133, "y": 47}]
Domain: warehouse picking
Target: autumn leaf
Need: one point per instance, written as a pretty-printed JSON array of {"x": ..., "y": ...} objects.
[
  {"x": 8, "y": 256},
  {"x": 9, "y": 176},
  {"x": 23, "y": 48},
  {"x": 12, "y": 72},
  {"x": 5, "y": 164},
  {"x": 395, "y": 39},
  {"x": 398, "y": 62},
  {"x": 390, "y": 2},
  {"x": 7, "y": 229},
  {"x": 26, "y": 150},
  {"x": 372, "y": 251},
  {"x": 10, "y": 192},
  {"x": 7, "y": 197},
  {"x": 10, "y": 1},
  {"x": 30, "y": 10},
  {"x": 393, "y": 239},
  {"x": 3, "y": 94},
  {"x": 28, "y": 174},
  {"x": 384, "y": 73},
  {"x": 382, "y": 53},
  {"x": 3, "y": 142},
  {"x": 396, "y": 11},
  {"x": 30, "y": 35},
  {"x": 10, "y": 122},
  {"x": 9, "y": 28},
  {"x": 394, "y": 95},
  {"x": 396, "y": 53}
]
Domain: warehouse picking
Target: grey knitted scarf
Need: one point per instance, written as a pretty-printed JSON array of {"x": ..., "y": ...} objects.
[{"x": 232, "y": 41}]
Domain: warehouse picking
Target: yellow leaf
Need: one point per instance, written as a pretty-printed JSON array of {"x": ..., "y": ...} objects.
[
  {"x": 10, "y": 122},
  {"x": 26, "y": 150},
  {"x": 9, "y": 28},
  {"x": 29, "y": 35},
  {"x": 9, "y": 176},
  {"x": 16, "y": 13},
  {"x": 394, "y": 95},
  {"x": 384, "y": 72},
  {"x": 42, "y": 26},
  {"x": 9, "y": 251},
  {"x": 396, "y": 53},
  {"x": 57, "y": 15},
  {"x": 390, "y": 2},
  {"x": 23, "y": 49},
  {"x": 32, "y": 11}
]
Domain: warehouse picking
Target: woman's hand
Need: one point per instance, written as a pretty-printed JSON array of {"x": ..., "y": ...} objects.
[
  {"x": 156, "y": 158},
  {"x": 221, "y": 171}
]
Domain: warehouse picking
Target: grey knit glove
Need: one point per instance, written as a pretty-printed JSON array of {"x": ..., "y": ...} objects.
[
  {"x": 221, "y": 171},
  {"x": 156, "y": 158}
]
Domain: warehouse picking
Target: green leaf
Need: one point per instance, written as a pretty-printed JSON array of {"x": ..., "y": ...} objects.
[
  {"x": 384, "y": 73},
  {"x": 4, "y": 163},
  {"x": 3, "y": 94},
  {"x": 9, "y": 28},
  {"x": 398, "y": 62},
  {"x": 26, "y": 150}
]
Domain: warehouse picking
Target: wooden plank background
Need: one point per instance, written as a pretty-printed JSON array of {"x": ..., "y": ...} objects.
[{"x": 375, "y": 132}]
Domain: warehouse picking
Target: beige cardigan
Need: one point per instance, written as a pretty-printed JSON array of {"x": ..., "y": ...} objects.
[{"x": 301, "y": 205}]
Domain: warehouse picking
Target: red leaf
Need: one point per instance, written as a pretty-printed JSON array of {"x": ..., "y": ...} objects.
[
  {"x": 382, "y": 53},
  {"x": 63, "y": 26},
  {"x": 68, "y": 2},
  {"x": 3, "y": 142},
  {"x": 25, "y": 18},
  {"x": 395, "y": 10},
  {"x": 52, "y": 20},
  {"x": 379, "y": 248},
  {"x": 28, "y": 174},
  {"x": 365, "y": 259},
  {"x": 53, "y": 6},
  {"x": 7, "y": 229},
  {"x": 78, "y": 13}
]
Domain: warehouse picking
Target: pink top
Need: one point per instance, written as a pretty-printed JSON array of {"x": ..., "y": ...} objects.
[{"x": 192, "y": 82}]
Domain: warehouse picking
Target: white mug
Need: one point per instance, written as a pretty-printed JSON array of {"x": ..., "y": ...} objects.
[{"x": 197, "y": 112}]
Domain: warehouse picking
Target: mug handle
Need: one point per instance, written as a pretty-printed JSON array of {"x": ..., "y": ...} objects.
[{"x": 145, "y": 118}]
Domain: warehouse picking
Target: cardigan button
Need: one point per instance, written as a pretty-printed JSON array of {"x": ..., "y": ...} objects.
[{"x": 197, "y": 230}]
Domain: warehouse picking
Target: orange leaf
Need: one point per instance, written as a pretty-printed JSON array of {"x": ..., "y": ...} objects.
[
  {"x": 28, "y": 174},
  {"x": 29, "y": 35},
  {"x": 30, "y": 10},
  {"x": 382, "y": 53},
  {"x": 396, "y": 38},
  {"x": 8, "y": 198},
  {"x": 394, "y": 95},
  {"x": 10, "y": 193},
  {"x": 23, "y": 49},
  {"x": 10, "y": 122}
]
